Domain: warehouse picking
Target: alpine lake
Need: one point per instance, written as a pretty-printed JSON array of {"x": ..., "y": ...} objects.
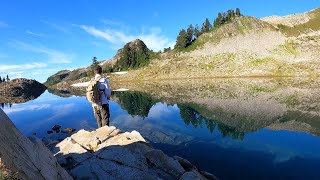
[{"x": 234, "y": 128}]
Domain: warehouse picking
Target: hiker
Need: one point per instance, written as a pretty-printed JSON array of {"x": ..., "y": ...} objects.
[{"x": 100, "y": 103}]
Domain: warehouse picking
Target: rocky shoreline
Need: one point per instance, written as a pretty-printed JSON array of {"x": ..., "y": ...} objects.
[
  {"x": 109, "y": 153},
  {"x": 20, "y": 90},
  {"x": 104, "y": 153}
]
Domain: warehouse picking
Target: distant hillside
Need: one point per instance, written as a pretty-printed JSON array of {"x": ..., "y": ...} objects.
[
  {"x": 244, "y": 46},
  {"x": 297, "y": 24},
  {"x": 133, "y": 55}
]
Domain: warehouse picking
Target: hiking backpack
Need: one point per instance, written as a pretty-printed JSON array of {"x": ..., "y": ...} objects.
[{"x": 93, "y": 93}]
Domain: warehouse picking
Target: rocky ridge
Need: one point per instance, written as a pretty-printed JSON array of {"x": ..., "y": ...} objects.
[
  {"x": 288, "y": 20},
  {"x": 20, "y": 90}
]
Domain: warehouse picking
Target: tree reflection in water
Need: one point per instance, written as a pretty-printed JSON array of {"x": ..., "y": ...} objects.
[
  {"x": 3, "y": 105},
  {"x": 136, "y": 103},
  {"x": 139, "y": 104},
  {"x": 190, "y": 115}
]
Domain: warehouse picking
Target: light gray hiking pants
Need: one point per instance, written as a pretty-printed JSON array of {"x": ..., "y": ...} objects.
[{"x": 102, "y": 115}]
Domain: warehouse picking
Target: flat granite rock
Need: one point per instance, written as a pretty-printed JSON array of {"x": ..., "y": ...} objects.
[{"x": 120, "y": 155}]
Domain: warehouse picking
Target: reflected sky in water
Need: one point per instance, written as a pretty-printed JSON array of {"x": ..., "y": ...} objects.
[{"x": 262, "y": 154}]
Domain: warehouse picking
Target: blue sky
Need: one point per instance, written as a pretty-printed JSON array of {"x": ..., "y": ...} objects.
[{"x": 40, "y": 37}]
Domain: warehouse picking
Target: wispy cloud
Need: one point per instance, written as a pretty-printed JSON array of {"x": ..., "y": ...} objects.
[
  {"x": 56, "y": 26},
  {"x": 35, "y": 34},
  {"x": 21, "y": 67},
  {"x": 3, "y": 24},
  {"x": 154, "y": 38},
  {"x": 16, "y": 109},
  {"x": 54, "y": 56}
]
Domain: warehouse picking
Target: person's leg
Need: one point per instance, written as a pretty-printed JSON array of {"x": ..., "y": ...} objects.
[
  {"x": 97, "y": 115},
  {"x": 105, "y": 115}
]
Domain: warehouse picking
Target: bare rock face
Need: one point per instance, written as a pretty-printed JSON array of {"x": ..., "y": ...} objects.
[
  {"x": 28, "y": 158},
  {"x": 108, "y": 153}
]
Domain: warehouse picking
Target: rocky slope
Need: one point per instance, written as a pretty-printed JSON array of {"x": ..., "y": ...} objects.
[
  {"x": 245, "y": 47},
  {"x": 26, "y": 158},
  {"x": 20, "y": 90}
]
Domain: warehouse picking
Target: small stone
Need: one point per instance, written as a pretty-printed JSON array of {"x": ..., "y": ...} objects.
[
  {"x": 49, "y": 132},
  {"x": 56, "y": 127},
  {"x": 68, "y": 130}
]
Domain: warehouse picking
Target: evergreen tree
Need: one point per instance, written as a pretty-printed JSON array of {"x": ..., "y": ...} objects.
[
  {"x": 197, "y": 32},
  {"x": 230, "y": 14},
  {"x": 181, "y": 40},
  {"x": 0, "y": 79},
  {"x": 190, "y": 35},
  {"x": 167, "y": 49},
  {"x": 238, "y": 12},
  {"x": 4, "y": 80},
  {"x": 94, "y": 63},
  {"x": 8, "y": 78},
  {"x": 220, "y": 20},
  {"x": 206, "y": 26}
]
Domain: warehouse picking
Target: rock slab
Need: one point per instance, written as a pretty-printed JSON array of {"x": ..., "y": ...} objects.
[
  {"x": 108, "y": 153},
  {"x": 28, "y": 158}
]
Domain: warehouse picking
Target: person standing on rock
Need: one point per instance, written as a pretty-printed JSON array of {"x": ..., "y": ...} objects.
[{"x": 99, "y": 93}]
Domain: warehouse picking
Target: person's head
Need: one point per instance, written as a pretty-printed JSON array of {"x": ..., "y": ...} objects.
[{"x": 97, "y": 69}]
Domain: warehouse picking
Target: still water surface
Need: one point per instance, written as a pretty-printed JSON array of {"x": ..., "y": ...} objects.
[{"x": 235, "y": 129}]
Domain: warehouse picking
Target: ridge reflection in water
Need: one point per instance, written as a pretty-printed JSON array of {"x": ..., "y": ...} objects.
[{"x": 242, "y": 129}]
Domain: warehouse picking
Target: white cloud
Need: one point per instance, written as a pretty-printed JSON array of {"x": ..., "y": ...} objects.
[
  {"x": 54, "y": 56},
  {"x": 21, "y": 67},
  {"x": 153, "y": 39},
  {"x": 35, "y": 34},
  {"x": 15, "y": 109},
  {"x": 98, "y": 33}
]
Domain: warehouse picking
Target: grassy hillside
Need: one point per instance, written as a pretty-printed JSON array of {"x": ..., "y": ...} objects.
[{"x": 245, "y": 46}]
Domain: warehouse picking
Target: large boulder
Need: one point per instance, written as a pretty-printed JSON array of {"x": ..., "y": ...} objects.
[
  {"x": 108, "y": 153},
  {"x": 28, "y": 158}
]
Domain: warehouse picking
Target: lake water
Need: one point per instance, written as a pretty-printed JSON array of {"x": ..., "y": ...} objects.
[{"x": 233, "y": 128}]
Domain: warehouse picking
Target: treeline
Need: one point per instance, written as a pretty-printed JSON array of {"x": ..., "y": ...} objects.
[
  {"x": 187, "y": 37},
  {"x": 4, "y": 79}
]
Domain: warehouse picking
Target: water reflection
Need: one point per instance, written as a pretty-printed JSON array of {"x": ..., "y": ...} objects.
[
  {"x": 235, "y": 106},
  {"x": 3, "y": 105},
  {"x": 249, "y": 127},
  {"x": 136, "y": 103},
  {"x": 67, "y": 92}
]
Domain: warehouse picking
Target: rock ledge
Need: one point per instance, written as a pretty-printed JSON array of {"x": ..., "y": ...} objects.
[{"x": 108, "y": 153}]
